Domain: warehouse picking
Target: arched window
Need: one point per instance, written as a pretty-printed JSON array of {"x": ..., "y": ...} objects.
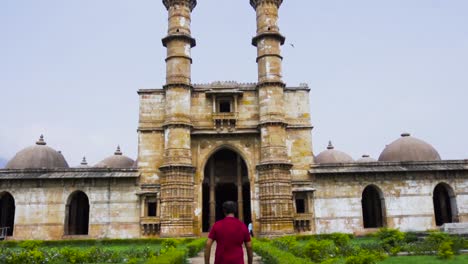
[
  {"x": 7, "y": 212},
  {"x": 77, "y": 214},
  {"x": 372, "y": 207},
  {"x": 445, "y": 205}
]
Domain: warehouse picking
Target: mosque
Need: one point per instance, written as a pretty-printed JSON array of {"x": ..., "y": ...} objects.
[{"x": 202, "y": 144}]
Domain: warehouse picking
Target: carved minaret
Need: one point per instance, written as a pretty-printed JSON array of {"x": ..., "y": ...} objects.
[
  {"x": 274, "y": 176},
  {"x": 177, "y": 170}
]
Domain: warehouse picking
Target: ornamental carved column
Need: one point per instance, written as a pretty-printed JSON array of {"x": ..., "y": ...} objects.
[
  {"x": 274, "y": 176},
  {"x": 177, "y": 177}
]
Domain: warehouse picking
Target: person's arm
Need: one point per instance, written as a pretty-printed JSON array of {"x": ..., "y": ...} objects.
[
  {"x": 209, "y": 242},
  {"x": 248, "y": 246}
]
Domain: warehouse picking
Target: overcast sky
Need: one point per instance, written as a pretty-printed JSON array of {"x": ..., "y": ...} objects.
[{"x": 70, "y": 69}]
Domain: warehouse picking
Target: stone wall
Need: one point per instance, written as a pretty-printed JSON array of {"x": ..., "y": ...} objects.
[
  {"x": 408, "y": 203},
  {"x": 41, "y": 207}
]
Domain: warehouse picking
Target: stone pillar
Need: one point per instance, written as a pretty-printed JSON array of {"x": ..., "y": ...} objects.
[
  {"x": 274, "y": 175},
  {"x": 212, "y": 193},
  {"x": 240, "y": 200},
  {"x": 177, "y": 179}
]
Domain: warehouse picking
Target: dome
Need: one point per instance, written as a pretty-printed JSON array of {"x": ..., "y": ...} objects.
[
  {"x": 83, "y": 164},
  {"x": 116, "y": 161},
  {"x": 408, "y": 148},
  {"x": 366, "y": 158},
  {"x": 37, "y": 157},
  {"x": 331, "y": 155}
]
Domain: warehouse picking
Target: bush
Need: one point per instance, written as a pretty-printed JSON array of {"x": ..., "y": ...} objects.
[
  {"x": 391, "y": 240},
  {"x": 195, "y": 246},
  {"x": 320, "y": 250},
  {"x": 272, "y": 255},
  {"x": 445, "y": 250},
  {"x": 365, "y": 257},
  {"x": 285, "y": 243},
  {"x": 172, "y": 256}
]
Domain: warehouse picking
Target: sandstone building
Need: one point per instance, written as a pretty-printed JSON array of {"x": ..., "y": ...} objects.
[{"x": 202, "y": 144}]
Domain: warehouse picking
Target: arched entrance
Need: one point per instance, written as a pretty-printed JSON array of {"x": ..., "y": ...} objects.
[
  {"x": 7, "y": 212},
  {"x": 445, "y": 205},
  {"x": 225, "y": 179},
  {"x": 77, "y": 214},
  {"x": 372, "y": 207}
]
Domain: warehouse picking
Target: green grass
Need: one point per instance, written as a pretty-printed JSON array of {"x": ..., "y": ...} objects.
[{"x": 461, "y": 259}]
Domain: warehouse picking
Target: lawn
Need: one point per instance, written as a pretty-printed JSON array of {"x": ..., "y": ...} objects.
[{"x": 462, "y": 259}]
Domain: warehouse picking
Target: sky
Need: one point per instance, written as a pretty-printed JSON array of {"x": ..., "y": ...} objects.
[{"x": 70, "y": 69}]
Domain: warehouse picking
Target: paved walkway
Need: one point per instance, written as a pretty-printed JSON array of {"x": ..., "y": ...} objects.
[{"x": 199, "y": 259}]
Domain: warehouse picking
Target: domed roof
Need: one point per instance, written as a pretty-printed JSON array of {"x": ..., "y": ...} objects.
[
  {"x": 37, "y": 157},
  {"x": 117, "y": 161},
  {"x": 84, "y": 163},
  {"x": 366, "y": 158},
  {"x": 331, "y": 155},
  {"x": 408, "y": 148}
]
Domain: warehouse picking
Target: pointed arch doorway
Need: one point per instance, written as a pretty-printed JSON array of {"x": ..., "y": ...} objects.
[{"x": 225, "y": 179}]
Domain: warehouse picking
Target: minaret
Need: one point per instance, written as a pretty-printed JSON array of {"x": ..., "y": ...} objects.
[
  {"x": 274, "y": 176},
  {"x": 177, "y": 170}
]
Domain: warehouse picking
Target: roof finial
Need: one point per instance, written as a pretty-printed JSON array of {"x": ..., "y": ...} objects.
[
  {"x": 84, "y": 162},
  {"x": 118, "y": 152},
  {"x": 330, "y": 145},
  {"x": 41, "y": 140},
  {"x": 405, "y": 134}
]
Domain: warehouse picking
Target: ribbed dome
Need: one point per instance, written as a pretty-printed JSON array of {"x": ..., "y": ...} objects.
[
  {"x": 37, "y": 157},
  {"x": 117, "y": 161},
  {"x": 408, "y": 148},
  {"x": 366, "y": 158},
  {"x": 331, "y": 155}
]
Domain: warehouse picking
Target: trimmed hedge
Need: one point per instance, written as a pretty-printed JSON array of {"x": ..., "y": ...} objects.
[
  {"x": 272, "y": 255},
  {"x": 195, "y": 246}
]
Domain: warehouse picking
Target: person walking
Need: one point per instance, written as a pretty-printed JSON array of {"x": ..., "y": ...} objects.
[{"x": 229, "y": 234}]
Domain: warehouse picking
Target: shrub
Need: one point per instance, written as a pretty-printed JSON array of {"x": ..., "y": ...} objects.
[
  {"x": 30, "y": 244},
  {"x": 320, "y": 250},
  {"x": 285, "y": 243},
  {"x": 365, "y": 257},
  {"x": 391, "y": 240},
  {"x": 195, "y": 246},
  {"x": 272, "y": 255},
  {"x": 445, "y": 250},
  {"x": 172, "y": 256}
]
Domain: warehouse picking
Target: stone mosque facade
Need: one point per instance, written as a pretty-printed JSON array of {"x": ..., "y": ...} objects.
[{"x": 202, "y": 144}]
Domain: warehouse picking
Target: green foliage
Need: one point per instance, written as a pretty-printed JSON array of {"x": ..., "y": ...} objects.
[
  {"x": 273, "y": 255},
  {"x": 30, "y": 244},
  {"x": 445, "y": 250},
  {"x": 391, "y": 239},
  {"x": 195, "y": 246},
  {"x": 285, "y": 243},
  {"x": 340, "y": 239},
  {"x": 320, "y": 250},
  {"x": 171, "y": 256},
  {"x": 365, "y": 257}
]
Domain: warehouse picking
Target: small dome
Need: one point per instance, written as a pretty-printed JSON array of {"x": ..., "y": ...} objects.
[
  {"x": 37, "y": 157},
  {"x": 366, "y": 158},
  {"x": 331, "y": 155},
  {"x": 408, "y": 148},
  {"x": 116, "y": 161},
  {"x": 84, "y": 163}
]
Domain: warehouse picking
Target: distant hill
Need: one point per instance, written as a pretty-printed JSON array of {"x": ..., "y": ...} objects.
[{"x": 3, "y": 162}]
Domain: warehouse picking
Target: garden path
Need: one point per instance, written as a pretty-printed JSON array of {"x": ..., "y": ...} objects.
[{"x": 199, "y": 259}]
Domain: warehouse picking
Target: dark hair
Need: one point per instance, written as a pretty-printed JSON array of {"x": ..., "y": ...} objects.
[{"x": 229, "y": 207}]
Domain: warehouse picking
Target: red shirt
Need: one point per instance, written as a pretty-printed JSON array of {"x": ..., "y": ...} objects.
[{"x": 229, "y": 234}]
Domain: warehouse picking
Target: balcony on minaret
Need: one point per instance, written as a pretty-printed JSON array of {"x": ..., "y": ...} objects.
[{"x": 225, "y": 105}]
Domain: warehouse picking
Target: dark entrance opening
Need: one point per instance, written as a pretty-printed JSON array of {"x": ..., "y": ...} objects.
[
  {"x": 225, "y": 177},
  {"x": 7, "y": 212},
  {"x": 444, "y": 204},
  {"x": 77, "y": 215},
  {"x": 372, "y": 204}
]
